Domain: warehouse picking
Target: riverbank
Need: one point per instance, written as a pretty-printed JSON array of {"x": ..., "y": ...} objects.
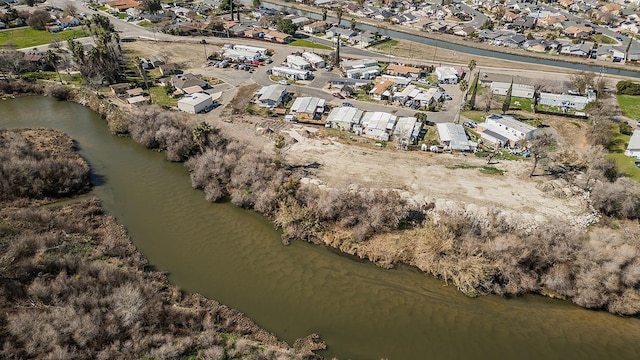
[
  {"x": 441, "y": 234},
  {"x": 459, "y": 41},
  {"x": 76, "y": 287}
]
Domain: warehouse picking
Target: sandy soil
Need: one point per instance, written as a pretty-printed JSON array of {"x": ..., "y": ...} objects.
[{"x": 427, "y": 177}]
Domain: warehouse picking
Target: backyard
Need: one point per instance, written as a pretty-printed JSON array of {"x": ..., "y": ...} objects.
[
  {"x": 28, "y": 37},
  {"x": 309, "y": 44},
  {"x": 625, "y": 164}
]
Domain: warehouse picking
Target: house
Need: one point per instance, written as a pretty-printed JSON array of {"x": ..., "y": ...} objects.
[
  {"x": 316, "y": 27},
  {"x": 377, "y": 125},
  {"x": 67, "y": 21},
  {"x": 465, "y": 31},
  {"x": 276, "y": 36},
  {"x": 633, "y": 149},
  {"x": 121, "y": 5},
  {"x": 195, "y": 103},
  {"x": 578, "y": 31},
  {"x": 406, "y": 128},
  {"x": 505, "y": 130},
  {"x": 342, "y": 33},
  {"x": 182, "y": 81},
  {"x": 361, "y": 69},
  {"x": 120, "y": 89},
  {"x": 167, "y": 69},
  {"x": 307, "y": 108},
  {"x": 447, "y": 75},
  {"x": 290, "y": 73},
  {"x": 340, "y": 82},
  {"x": 344, "y": 118},
  {"x": 581, "y": 50},
  {"x": 240, "y": 55},
  {"x": 612, "y": 8},
  {"x": 272, "y": 96},
  {"x": 314, "y": 59},
  {"x": 298, "y": 62},
  {"x": 453, "y": 137},
  {"x": 381, "y": 91},
  {"x": 565, "y": 101},
  {"x": 406, "y": 71},
  {"x": 565, "y": 3},
  {"x": 517, "y": 90}
]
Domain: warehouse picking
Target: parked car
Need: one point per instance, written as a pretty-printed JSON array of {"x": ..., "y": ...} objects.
[
  {"x": 283, "y": 82},
  {"x": 337, "y": 95},
  {"x": 447, "y": 96},
  {"x": 347, "y": 104},
  {"x": 423, "y": 81}
]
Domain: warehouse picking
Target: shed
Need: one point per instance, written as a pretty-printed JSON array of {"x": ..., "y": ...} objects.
[
  {"x": 135, "y": 92},
  {"x": 195, "y": 103},
  {"x": 518, "y": 90}
]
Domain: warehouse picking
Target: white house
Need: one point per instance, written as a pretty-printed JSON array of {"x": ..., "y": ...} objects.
[
  {"x": 253, "y": 49},
  {"x": 565, "y": 101},
  {"x": 314, "y": 59},
  {"x": 453, "y": 137},
  {"x": 316, "y": 27},
  {"x": 344, "y": 118},
  {"x": 447, "y": 75},
  {"x": 272, "y": 96},
  {"x": 297, "y": 62},
  {"x": 633, "y": 149},
  {"x": 377, "y": 125},
  {"x": 505, "y": 130},
  {"x": 361, "y": 69},
  {"x": 407, "y": 128},
  {"x": 292, "y": 74},
  {"x": 195, "y": 103}
]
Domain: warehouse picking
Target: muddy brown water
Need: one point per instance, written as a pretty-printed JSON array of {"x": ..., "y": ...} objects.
[{"x": 363, "y": 312}]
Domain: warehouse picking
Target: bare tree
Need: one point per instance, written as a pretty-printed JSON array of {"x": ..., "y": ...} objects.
[
  {"x": 538, "y": 148},
  {"x": 581, "y": 81}
]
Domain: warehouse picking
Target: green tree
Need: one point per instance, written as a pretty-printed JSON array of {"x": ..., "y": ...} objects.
[
  {"x": 339, "y": 13},
  {"x": 507, "y": 99},
  {"x": 256, "y": 4},
  {"x": 39, "y": 19},
  {"x": 472, "y": 65},
  {"x": 286, "y": 26},
  {"x": 487, "y": 25},
  {"x": 353, "y": 24},
  {"x": 324, "y": 14},
  {"x": 152, "y": 6},
  {"x": 464, "y": 85}
]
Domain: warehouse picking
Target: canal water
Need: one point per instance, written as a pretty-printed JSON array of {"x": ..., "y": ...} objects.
[
  {"x": 363, "y": 312},
  {"x": 461, "y": 48}
]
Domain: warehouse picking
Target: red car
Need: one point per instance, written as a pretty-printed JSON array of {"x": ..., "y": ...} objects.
[{"x": 338, "y": 95}]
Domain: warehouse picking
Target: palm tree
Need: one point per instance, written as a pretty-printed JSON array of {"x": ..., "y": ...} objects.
[
  {"x": 464, "y": 85},
  {"x": 339, "y": 13},
  {"x": 353, "y": 24},
  {"x": 324, "y": 14},
  {"x": 472, "y": 65},
  {"x": 52, "y": 58}
]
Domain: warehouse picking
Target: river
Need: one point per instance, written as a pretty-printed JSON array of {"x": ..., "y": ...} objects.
[
  {"x": 363, "y": 312},
  {"x": 635, "y": 73}
]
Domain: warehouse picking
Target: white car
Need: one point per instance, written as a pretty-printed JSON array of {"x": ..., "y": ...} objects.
[{"x": 283, "y": 82}]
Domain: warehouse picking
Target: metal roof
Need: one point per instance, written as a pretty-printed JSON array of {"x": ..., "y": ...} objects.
[
  {"x": 307, "y": 105},
  {"x": 634, "y": 142}
]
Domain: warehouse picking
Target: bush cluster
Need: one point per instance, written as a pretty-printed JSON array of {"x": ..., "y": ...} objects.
[
  {"x": 33, "y": 170},
  {"x": 627, "y": 87},
  {"x": 74, "y": 287}
]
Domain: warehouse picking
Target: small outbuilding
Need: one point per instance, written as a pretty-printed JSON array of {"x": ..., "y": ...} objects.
[{"x": 195, "y": 103}]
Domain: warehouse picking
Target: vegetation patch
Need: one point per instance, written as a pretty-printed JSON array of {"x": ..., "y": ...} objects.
[
  {"x": 309, "y": 44},
  {"x": 27, "y": 37},
  {"x": 488, "y": 170},
  {"x": 160, "y": 97},
  {"x": 629, "y": 105}
]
